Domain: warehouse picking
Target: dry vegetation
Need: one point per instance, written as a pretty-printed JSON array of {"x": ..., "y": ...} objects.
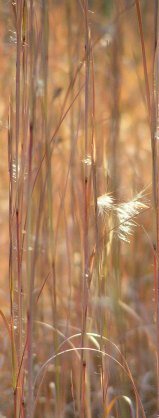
[{"x": 79, "y": 242}]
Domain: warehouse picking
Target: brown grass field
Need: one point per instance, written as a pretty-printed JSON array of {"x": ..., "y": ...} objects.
[{"x": 79, "y": 209}]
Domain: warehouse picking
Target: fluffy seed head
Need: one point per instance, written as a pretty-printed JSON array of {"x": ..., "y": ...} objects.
[
  {"x": 126, "y": 212},
  {"x": 87, "y": 160},
  {"x": 105, "y": 203}
]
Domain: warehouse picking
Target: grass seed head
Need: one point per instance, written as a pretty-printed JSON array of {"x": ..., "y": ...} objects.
[
  {"x": 126, "y": 212},
  {"x": 105, "y": 204}
]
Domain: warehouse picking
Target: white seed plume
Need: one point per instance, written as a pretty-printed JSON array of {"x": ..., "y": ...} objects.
[
  {"x": 87, "y": 160},
  {"x": 126, "y": 212},
  {"x": 105, "y": 204}
]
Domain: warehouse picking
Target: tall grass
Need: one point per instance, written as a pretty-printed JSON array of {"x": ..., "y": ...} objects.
[{"x": 82, "y": 124}]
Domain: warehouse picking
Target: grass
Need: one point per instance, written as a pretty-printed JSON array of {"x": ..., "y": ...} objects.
[{"x": 80, "y": 314}]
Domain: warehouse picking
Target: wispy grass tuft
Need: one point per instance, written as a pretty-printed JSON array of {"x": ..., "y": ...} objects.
[
  {"x": 126, "y": 214},
  {"x": 105, "y": 203}
]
